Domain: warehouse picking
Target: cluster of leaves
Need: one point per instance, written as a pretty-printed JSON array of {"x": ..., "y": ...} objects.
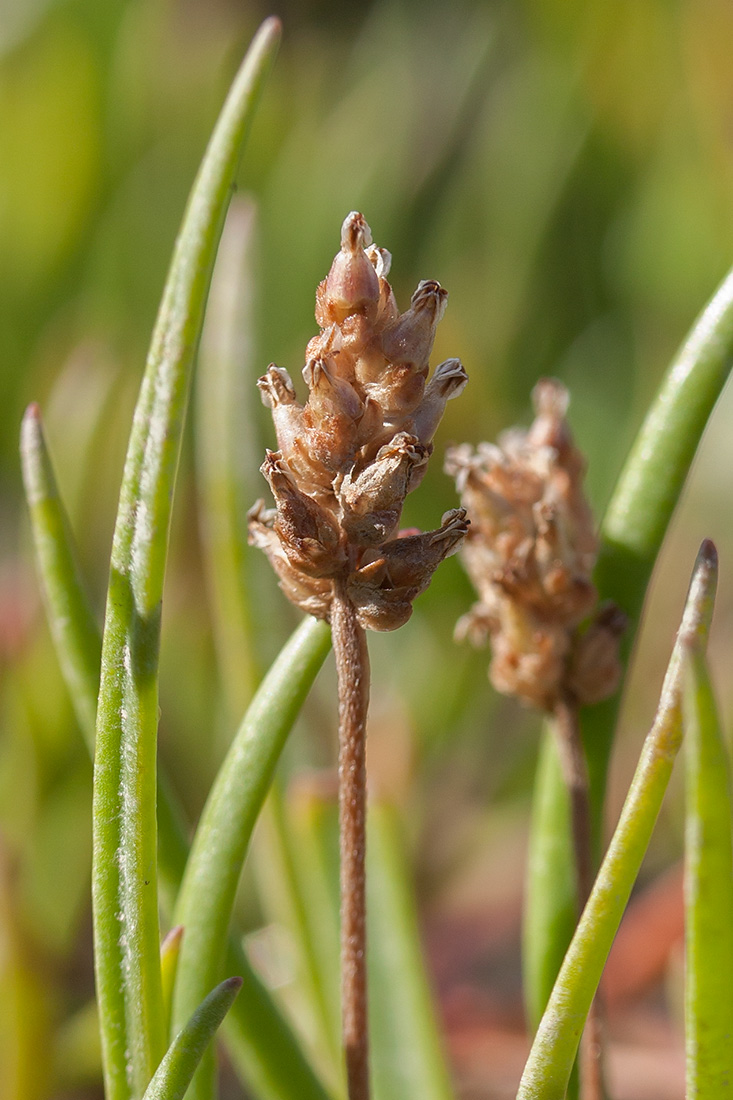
[{"x": 262, "y": 1044}]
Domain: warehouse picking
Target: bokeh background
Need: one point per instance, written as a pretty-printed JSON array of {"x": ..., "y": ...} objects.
[{"x": 565, "y": 169}]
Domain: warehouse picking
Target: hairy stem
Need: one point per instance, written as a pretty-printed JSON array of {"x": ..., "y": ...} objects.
[
  {"x": 352, "y": 665},
  {"x": 575, "y": 772}
]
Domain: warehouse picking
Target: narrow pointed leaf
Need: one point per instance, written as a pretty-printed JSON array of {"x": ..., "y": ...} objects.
[
  {"x": 174, "y": 1074},
  {"x": 169, "y": 952},
  {"x": 228, "y": 454},
  {"x": 632, "y": 533},
  {"x": 650, "y": 484},
  {"x": 551, "y": 903},
  {"x": 314, "y": 840},
  {"x": 124, "y": 878},
  {"x": 209, "y": 886},
  {"x": 409, "y": 1063},
  {"x": 262, "y": 1046},
  {"x": 708, "y": 893},
  {"x": 551, "y": 898},
  {"x": 648, "y": 490},
  {"x": 283, "y": 868},
  {"x": 73, "y": 627},
  {"x": 553, "y": 1052}
]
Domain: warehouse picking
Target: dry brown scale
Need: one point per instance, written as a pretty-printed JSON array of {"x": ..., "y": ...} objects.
[
  {"x": 348, "y": 457},
  {"x": 530, "y": 553}
]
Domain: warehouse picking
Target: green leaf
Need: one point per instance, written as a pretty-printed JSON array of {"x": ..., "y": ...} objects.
[
  {"x": 553, "y": 1052},
  {"x": 632, "y": 532},
  {"x": 650, "y": 484},
  {"x": 228, "y": 456},
  {"x": 173, "y": 1075},
  {"x": 294, "y": 895},
  {"x": 647, "y": 492},
  {"x": 73, "y": 626},
  {"x": 551, "y": 898},
  {"x": 408, "y": 1057},
  {"x": 261, "y": 1045},
  {"x": 209, "y": 886},
  {"x": 551, "y": 901},
  {"x": 124, "y": 878},
  {"x": 708, "y": 892},
  {"x": 169, "y": 952}
]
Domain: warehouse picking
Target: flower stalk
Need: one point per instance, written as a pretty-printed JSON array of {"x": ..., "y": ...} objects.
[
  {"x": 575, "y": 772},
  {"x": 345, "y": 462},
  {"x": 352, "y": 666}
]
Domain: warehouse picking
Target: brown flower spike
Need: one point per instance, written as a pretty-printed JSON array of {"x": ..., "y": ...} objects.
[
  {"x": 345, "y": 462},
  {"x": 348, "y": 457},
  {"x": 530, "y": 553}
]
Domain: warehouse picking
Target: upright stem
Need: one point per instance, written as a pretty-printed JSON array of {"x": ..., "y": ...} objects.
[
  {"x": 352, "y": 665},
  {"x": 575, "y": 772}
]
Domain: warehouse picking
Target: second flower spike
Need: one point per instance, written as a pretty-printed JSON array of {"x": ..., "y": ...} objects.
[
  {"x": 348, "y": 457},
  {"x": 531, "y": 554}
]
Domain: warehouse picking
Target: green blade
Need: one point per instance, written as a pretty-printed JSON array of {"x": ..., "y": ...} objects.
[
  {"x": 409, "y": 1062},
  {"x": 548, "y": 1069},
  {"x": 708, "y": 892},
  {"x": 209, "y": 886},
  {"x": 261, "y": 1045},
  {"x": 124, "y": 876},
  {"x": 228, "y": 457},
  {"x": 174, "y": 1074},
  {"x": 632, "y": 532},
  {"x": 73, "y": 627},
  {"x": 551, "y": 897},
  {"x": 647, "y": 492},
  {"x": 293, "y": 894}
]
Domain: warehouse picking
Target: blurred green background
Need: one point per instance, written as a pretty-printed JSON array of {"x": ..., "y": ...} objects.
[{"x": 565, "y": 169}]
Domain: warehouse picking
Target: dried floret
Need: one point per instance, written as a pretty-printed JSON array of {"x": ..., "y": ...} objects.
[{"x": 348, "y": 457}]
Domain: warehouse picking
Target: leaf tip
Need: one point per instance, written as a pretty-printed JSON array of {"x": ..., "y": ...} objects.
[
  {"x": 707, "y": 554},
  {"x": 30, "y": 426},
  {"x": 272, "y": 26},
  {"x": 32, "y": 450},
  {"x": 232, "y": 985},
  {"x": 701, "y": 596},
  {"x": 172, "y": 939}
]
